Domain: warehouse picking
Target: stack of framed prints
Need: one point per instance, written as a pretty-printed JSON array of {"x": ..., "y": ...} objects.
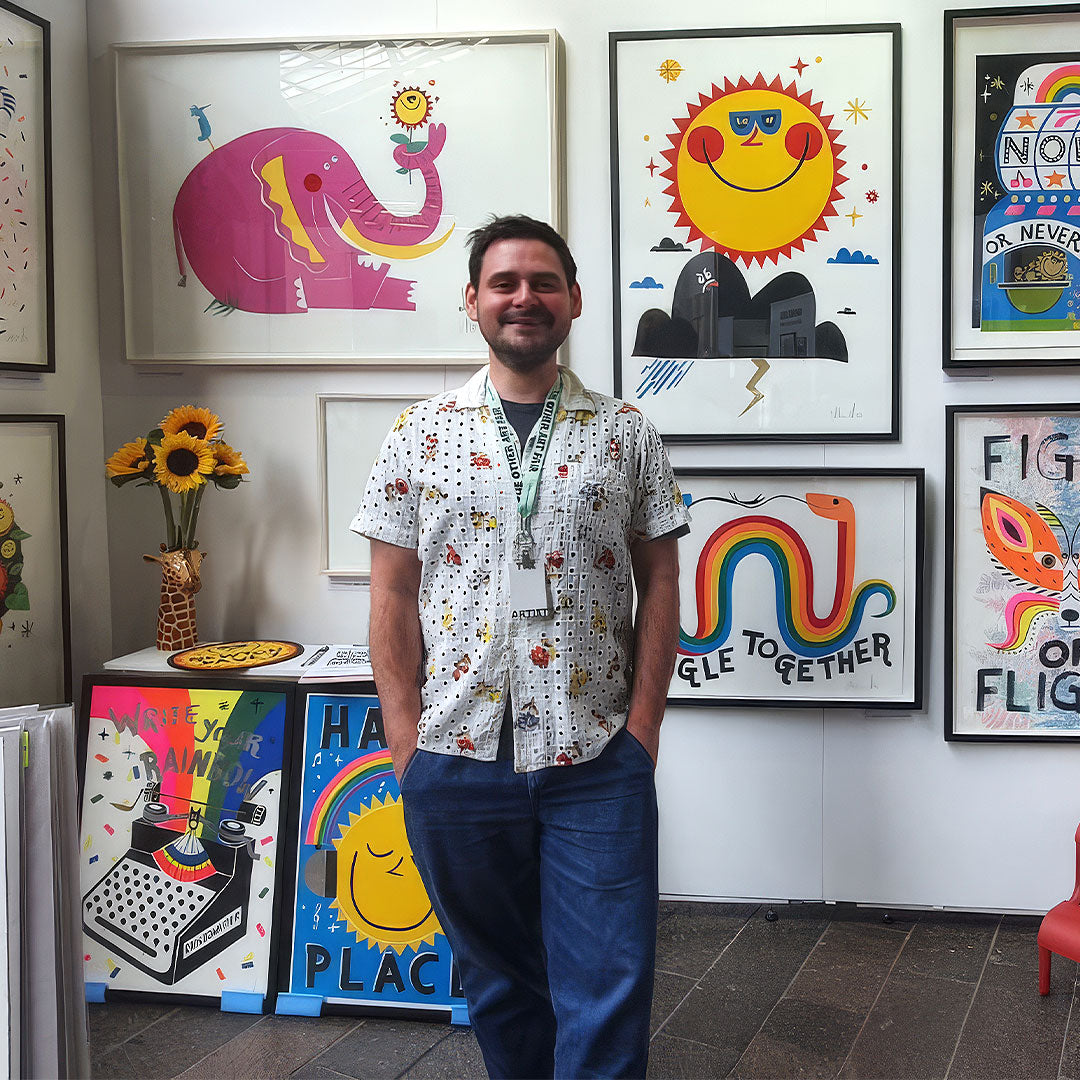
[
  {"x": 801, "y": 587},
  {"x": 755, "y": 221},
  {"x": 231, "y": 856}
]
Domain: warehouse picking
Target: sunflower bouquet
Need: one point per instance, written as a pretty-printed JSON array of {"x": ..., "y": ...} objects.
[{"x": 180, "y": 458}]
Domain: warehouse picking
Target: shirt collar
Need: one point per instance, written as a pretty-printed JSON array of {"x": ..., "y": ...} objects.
[{"x": 574, "y": 395}]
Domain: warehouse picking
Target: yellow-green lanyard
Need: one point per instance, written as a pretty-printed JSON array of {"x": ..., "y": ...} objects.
[{"x": 527, "y": 480}]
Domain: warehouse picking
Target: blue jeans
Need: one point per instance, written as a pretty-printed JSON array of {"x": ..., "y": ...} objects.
[{"x": 546, "y": 886}]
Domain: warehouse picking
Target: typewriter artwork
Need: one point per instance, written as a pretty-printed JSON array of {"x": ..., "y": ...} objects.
[{"x": 181, "y": 805}]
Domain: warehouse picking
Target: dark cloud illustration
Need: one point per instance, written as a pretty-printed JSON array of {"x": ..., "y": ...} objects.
[
  {"x": 667, "y": 244},
  {"x": 714, "y": 315}
]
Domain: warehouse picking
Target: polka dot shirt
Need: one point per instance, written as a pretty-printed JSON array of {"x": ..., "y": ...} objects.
[{"x": 441, "y": 485}]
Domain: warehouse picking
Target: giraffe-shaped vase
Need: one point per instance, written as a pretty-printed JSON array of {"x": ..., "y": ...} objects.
[{"x": 180, "y": 581}]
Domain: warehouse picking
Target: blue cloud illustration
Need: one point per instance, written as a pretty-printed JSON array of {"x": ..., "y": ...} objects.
[
  {"x": 852, "y": 258},
  {"x": 645, "y": 283}
]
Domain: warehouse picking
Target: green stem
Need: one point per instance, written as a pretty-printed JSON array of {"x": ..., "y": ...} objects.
[
  {"x": 170, "y": 524},
  {"x": 196, "y": 502}
]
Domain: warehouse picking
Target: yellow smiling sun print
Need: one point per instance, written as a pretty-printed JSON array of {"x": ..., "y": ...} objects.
[
  {"x": 411, "y": 107},
  {"x": 379, "y": 892},
  {"x": 754, "y": 170}
]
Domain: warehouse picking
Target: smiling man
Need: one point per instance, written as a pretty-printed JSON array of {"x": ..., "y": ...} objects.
[{"x": 521, "y": 695}]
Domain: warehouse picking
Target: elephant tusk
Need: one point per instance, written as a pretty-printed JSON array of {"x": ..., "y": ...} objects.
[{"x": 351, "y": 235}]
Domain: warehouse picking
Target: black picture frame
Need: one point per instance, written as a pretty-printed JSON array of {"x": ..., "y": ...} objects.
[
  {"x": 1009, "y": 683},
  {"x": 752, "y": 538},
  {"x": 47, "y": 323},
  {"x": 207, "y": 686},
  {"x": 888, "y": 429},
  {"x": 965, "y": 347},
  {"x": 365, "y": 978},
  {"x": 13, "y": 493}
]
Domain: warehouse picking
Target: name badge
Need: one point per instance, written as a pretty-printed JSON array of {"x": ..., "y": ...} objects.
[{"x": 529, "y": 593}]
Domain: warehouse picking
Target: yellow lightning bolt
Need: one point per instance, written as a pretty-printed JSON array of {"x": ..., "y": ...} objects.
[{"x": 762, "y": 366}]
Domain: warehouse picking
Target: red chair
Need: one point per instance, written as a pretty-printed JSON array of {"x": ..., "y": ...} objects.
[{"x": 1059, "y": 932}]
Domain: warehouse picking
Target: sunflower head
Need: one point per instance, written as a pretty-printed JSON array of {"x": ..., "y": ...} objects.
[
  {"x": 130, "y": 462},
  {"x": 182, "y": 462},
  {"x": 192, "y": 420},
  {"x": 229, "y": 465}
]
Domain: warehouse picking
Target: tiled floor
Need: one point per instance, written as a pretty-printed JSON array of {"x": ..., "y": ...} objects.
[{"x": 821, "y": 991}]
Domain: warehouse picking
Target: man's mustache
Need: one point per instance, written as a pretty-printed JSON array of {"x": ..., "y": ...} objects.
[{"x": 536, "y": 315}]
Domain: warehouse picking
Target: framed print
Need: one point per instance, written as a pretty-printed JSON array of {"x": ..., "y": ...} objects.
[
  {"x": 26, "y": 272},
  {"x": 313, "y": 204},
  {"x": 1012, "y": 602},
  {"x": 755, "y": 223},
  {"x": 363, "y": 934},
  {"x": 801, "y": 587},
  {"x": 1011, "y": 270},
  {"x": 35, "y": 627},
  {"x": 352, "y": 428},
  {"x": 183, "y": 786}
]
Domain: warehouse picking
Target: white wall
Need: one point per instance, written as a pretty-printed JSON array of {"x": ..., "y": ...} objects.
[
  {"x": 796, "y": 804},
  {"x": 74, "y": 389}
]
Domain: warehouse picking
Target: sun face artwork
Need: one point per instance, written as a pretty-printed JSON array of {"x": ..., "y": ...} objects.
[
  {"x": 379, "y": 892},
  {"x": 756, "y": 171},
  {"x": 364, "y": 930},
  {"x": 756, "y": 203}
]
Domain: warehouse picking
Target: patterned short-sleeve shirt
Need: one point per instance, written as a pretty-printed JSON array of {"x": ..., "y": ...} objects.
[{"x": 441, "y": 484}]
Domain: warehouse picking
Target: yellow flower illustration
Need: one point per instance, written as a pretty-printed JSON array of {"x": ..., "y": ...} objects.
[
  {"x": 192, "y": 420},
  {"x": 182, "y": 462},
  {"x": 228, "y": 461},
  {"x": 130, "y": 460}
]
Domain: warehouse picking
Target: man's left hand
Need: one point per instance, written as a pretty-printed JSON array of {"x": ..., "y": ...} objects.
[{"x": 649, "y": 737}]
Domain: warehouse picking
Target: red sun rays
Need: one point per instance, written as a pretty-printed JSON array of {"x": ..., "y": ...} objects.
[{"x": 684, "y": 220}]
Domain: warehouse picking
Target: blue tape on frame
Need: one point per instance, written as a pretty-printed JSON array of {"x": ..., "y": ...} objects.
[
  {"x": 95, "y": 991},
  {"x": 298, "y": 1004},
  {"x": 241, "y": 1001},
  {"x": 459, "y": 1015}
]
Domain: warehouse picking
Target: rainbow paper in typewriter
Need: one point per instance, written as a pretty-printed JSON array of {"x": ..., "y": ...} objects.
[{"x": 180, "y": 837}]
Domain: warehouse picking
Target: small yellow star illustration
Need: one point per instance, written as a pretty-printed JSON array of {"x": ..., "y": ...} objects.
[
  {"x": 670, "y": 70},
  {"x": 853, "y": 215},
  {"x": 857, "y": 110}
]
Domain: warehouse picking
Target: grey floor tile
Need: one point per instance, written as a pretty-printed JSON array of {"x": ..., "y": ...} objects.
[
  {"x": 668, "y": 993},
  {"x": 116, "y": 1022},
  {"x": 678, "y": 1059},
  {"x": 113, "y": 1063},
  {"x": 730, "y": 1004},
  {"x": 1070, "y": 1054},
  {"x": 1012, "y": 1031},
  {"x": 898, "y": 919},
  {"x": 275, "y": 1046},
  {"x": 848, "y": 966},
  {"x": 1015, "y": 944},
  {"x": 311, "y": 1071},
  {"x": 183, "y": 1036},
  {"x": 800, "y": 1039},
  {"x": 457, "y": 1057},
  {"x": 911, "y": 1030},
  {"x": 690, "y": 938},
  {"x": 381, "y": 1048},
  {"x": 947, "y": 948}
]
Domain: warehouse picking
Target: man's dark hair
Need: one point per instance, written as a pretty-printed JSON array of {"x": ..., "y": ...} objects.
[{"x": 517, "y": 227}]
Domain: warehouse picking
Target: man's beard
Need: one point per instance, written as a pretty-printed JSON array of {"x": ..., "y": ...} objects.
[{"x": 525, "y": 357}]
